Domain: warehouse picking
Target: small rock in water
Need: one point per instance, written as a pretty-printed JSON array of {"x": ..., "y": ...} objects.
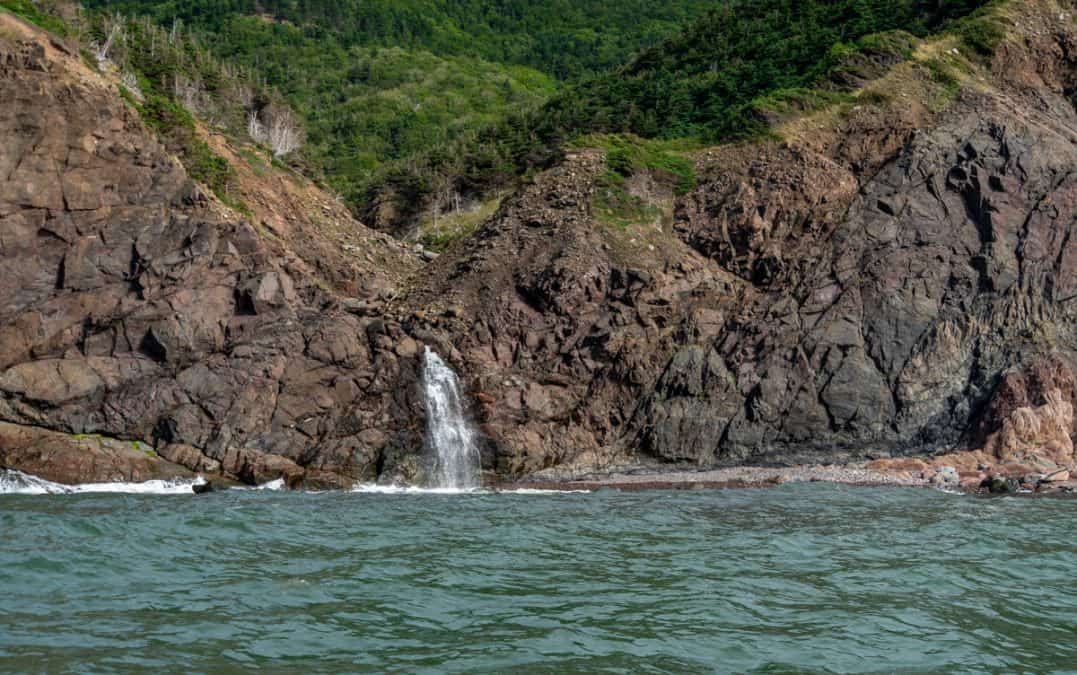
[
  {"x": 998, "y": 485},
  {"x": 205, "y": 488},
  {"x": 946, "y": 475}
]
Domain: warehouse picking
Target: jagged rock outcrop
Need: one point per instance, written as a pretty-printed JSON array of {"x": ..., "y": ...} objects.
[
  {"x": 855, "y": 292},
  {"x": 136, "y": 308}
]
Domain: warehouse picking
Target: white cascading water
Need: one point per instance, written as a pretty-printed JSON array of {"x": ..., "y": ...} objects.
[{"x": 449, "y": 433}]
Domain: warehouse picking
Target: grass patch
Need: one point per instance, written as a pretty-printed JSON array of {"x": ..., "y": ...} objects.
[
  {"x": 128, "y": 97},
  {"x": 943, "y": 75},
  {"x": 613, "y": 205},
  {"x": 453, "y": 227},
  {"x": 796, "y": 100},
  {"x": 983, "y": 30},
  {"x": 26, "y": 10},
  {"x": 627, "y": 154},
  {"x": 255, "y": 161},
  {"x": 176, "y": 127},
  {"x": 845, "y": 62},
  {"x": 147, "y": 450},
  {"x": 667, "y": 161}
]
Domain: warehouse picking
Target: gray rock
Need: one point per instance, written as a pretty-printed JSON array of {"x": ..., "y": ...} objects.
[{"x": 946, "y": 475}]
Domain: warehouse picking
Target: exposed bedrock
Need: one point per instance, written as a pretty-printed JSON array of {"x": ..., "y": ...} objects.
[
  {"x": 901, "y": 284},
  {"x": 133, "y": 307},
  {"x": 887, "y": 331},
  {"x": 859, "y": 296}
]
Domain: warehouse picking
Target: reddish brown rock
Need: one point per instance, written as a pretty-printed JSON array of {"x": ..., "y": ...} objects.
[
  {"x": 133, "y": 307},
  {"x": 856, "y": 291},
  {"x": 897, "y": 281},
  {"x": 71, "y": 459},
  {"x": 1041, "y": 433},
  {"x": 1059, "y": 476}
]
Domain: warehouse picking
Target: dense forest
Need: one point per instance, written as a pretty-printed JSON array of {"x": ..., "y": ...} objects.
[
  {"x": 563, "y": 38},
  {"x": 413, "y": 103},
  {"x": 705, "y": 83},
  {"x": 379, "y": 82}
]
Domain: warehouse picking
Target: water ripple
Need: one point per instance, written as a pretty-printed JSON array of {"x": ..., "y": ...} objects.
[{"x": 804, "y": 577}]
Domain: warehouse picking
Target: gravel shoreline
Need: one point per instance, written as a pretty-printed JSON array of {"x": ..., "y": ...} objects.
[{"x": 636, "y": 478}]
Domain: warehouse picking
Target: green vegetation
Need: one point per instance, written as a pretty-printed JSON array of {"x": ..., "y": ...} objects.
[
  {"x": 440, "y": 233},
  {"x": 413, "y": 107},
  {"x": 29, "y": 10},
  {"x": 371, "y": 105},
  {"x": 383, "y": 81},
  {"x": 255, "y": 161},
  {"x": 711, "y": 82},
  {"x": 982, "y": 30},
  {"x": 627, "y": 154},
  {"x": 615, "y": 206},
  {"x": 175, "y": 126},
  {"x": 152, "y": 66},
  {"x": 783, "y": 102},
  {"x": 702, "y": 83},
  {"x": 563, "y": 38}
]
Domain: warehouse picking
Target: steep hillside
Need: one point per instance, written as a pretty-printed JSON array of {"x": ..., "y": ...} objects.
[
  {"x": 890, "y": 272},
  {"x": 856, "y": 289},
  {"x": 563, "y": 38},
  {"x": 383, "y": 81},
  {"x": 138, "y": 308},
  {"x": 713, "y": 82}
]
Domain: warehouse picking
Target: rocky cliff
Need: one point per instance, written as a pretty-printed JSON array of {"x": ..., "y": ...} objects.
[
  {"x": 897, "y": 277},
  {"x": 136, "y": 308},
  {"x": 857, "y": 289}
]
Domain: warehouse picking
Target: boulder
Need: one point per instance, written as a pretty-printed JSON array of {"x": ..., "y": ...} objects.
[
  {"x": 1000, "y": 484},
  {"x": 1040, "y": 432},
  {"x": 946, "y": 476},
  {"x": 1060, "y": 476},
  {"x": 72, "y": 459}
]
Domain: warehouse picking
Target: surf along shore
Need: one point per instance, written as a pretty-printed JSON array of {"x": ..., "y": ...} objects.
[{"x": 963, "y": 472}]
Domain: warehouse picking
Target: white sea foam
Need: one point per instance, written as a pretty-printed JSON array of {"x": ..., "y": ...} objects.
[
  {"x": 536, "y": 491},
  {"x": 19, "y": 483},
  {"x": 371, "y": 488},
  {"x": 273, "y": 485}
]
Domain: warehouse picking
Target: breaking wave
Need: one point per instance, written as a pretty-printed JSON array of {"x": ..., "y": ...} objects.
[{"x": 19, "y": 483}]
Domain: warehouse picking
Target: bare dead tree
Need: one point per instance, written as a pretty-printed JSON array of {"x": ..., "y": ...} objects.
[
  {"x": 285, "y": 135},
  {"x": 188, "y": 92},
  {"x": 129, "y": 80},
  {"x": 244, "y": 94},
  {"x": 255, "y": 129},
  {"x": 114, "y": 28}
]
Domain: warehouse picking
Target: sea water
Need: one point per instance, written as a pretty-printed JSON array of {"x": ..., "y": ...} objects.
[{"x": 805, "y": 577}]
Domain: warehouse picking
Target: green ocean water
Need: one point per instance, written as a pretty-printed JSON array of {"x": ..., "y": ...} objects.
[{"x": 798, "y": 578}]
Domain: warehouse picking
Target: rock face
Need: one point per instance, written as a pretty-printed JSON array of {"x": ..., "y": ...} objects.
[
  {"x": 1031, "y": 414},
  {"x": 858, "y": 291},
  {"x": 900, "y": 282},
  {"x": 133, "y": 307},
  {"x": 63, "y": 458}
]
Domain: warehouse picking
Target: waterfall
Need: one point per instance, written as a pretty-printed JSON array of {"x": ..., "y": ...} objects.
[{"x": 448, "y": 431}]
